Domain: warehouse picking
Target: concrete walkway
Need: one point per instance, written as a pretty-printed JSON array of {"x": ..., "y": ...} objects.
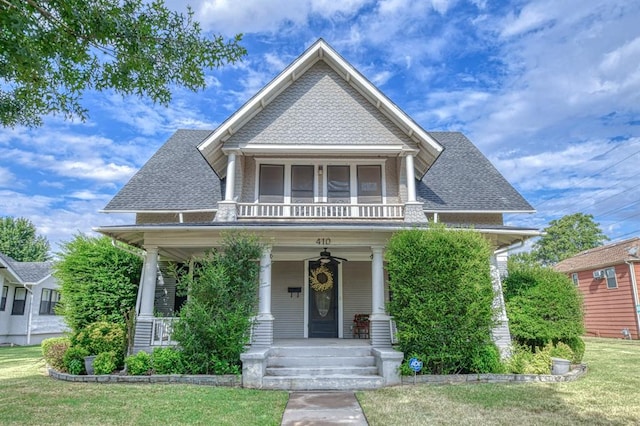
[{"x": 323, "y": 408}]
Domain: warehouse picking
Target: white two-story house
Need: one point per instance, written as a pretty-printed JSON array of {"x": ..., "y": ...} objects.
[
  {"x": 27, "y": 307},
  {"x": 324, "y": 168}
]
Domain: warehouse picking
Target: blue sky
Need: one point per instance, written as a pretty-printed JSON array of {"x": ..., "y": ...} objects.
[{"x": 548, "y": 90}]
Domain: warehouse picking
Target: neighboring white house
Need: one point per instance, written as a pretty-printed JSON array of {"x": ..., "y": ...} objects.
[
  {"x": 323, "y": 167},
  {"x": 27, "y": 307}
]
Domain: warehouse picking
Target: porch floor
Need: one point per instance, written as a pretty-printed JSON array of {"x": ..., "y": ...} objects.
[{"x": 321, "y": 342}]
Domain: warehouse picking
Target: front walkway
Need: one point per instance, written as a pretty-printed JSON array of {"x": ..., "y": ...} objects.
[{"x": 323, "y": 408}]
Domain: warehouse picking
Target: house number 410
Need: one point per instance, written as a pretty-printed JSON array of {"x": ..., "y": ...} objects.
[{"x": 323, "y": 241}]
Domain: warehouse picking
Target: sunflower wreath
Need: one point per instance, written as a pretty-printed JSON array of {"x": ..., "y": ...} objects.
[{"x": 315, "y": 282}]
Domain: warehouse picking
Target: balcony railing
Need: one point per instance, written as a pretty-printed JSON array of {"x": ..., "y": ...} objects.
[
  {"x": 161, "y": 333},
  {"x": 320, "y": 211}
]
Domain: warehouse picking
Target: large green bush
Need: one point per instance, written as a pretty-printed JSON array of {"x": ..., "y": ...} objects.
[
  {"x": 543, "y": 306},
  {"x": 98, "y": 281},
  {"x": 442, "y": 298},
  {"x": 53, "y": 350},
  {"x": 223, "y": 294}
]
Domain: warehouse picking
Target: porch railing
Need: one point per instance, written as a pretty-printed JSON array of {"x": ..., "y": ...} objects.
[
  {"x": 321, "y": 211},
  {"x": 162, "y": 331}
]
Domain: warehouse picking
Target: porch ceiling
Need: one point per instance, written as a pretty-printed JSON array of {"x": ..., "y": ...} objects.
[{"x": 289, "y": 242}]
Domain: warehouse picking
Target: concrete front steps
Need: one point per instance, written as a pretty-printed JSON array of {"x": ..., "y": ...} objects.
[{"x": 322, "y": 367}]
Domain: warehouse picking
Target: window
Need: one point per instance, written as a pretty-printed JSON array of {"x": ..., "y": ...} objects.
[
  {"x": 271, "y": 183},
  {"x": 48, "y": 301},
  {"x": 302, "y": 184},
  {"x": 3, "y": 302},
  {"x": 369, "y": 184},
  {"x": 18, "y": 301},
  {"x": 574, "y": 277},
  {"x": 338, "y": 184},
  {"x": 610, "y": 274}
]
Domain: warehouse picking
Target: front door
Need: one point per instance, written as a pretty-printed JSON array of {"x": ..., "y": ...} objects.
[{"x": 323, "y": 299}]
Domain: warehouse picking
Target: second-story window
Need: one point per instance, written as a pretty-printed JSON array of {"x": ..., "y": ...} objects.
[
  {"x": 271, "y": 183},
  {"x": 369, "y": 184},
  {"x": 302, "y": 184},
  {"x": 338, "y": 184}
]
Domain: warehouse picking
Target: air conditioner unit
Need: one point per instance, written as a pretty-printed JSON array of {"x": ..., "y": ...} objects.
[{"x": 599, "y": 274}]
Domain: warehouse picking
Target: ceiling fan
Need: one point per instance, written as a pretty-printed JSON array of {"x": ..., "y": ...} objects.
[{"x": 325, "y": 257}]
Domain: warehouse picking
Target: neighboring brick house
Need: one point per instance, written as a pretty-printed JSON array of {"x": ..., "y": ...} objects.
[
  {"x": 322, "y": 166},
  {"x": 608, "y": 278},
  {"x": 27, "y": 307}
]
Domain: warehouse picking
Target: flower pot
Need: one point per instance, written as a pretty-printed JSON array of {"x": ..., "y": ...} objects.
[
  {"x": 88, "y": 364},
  {"x": 560, "y": 366}
]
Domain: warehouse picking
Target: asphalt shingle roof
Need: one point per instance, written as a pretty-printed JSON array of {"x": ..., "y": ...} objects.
[
  {"x": 27, "y": 272},
  {"x": 462, "y": 178},
  {"x": 176, "y": 177},
  {"x": 611, "y": 254}
]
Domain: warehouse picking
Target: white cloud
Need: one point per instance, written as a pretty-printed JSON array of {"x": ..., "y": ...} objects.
[{"x": 7, "y": 179}]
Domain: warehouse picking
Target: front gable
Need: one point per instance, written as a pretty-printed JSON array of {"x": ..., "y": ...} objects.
[
  {"x": 320, "y": 109},
  {"x": 318, "y": 103}
]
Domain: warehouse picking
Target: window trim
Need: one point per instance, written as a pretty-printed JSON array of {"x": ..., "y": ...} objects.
[
  {"x": 15, "y": 311},
  {"x": 575, "y": 279},
  {"x": 614, "y": 277},
  {"x": 52, "y": 301},
  {"x": 5, "y": 294},
  {"x": 320, "y": 180}
]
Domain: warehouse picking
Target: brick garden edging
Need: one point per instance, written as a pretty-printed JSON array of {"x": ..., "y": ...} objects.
[
  {"x": 229, "y": 380},
  {"x": 440, "y": 379}
]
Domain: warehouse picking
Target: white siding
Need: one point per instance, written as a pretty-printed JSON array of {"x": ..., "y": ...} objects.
[
  {"x": 356, "y": 292},
  {"x": 288, "y": 311}
]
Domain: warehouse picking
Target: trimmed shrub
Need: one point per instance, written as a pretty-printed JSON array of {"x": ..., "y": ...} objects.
[
  {"x": 167, "y": 361},
  {"x": 543, "y": 306},
  {"x": 105, "y": 363},
  {"x": 98, "y": 282},
  {"x": 102, "y": 336},
  {"x": 138, "y": 364},
  {"x": 577, "y": 346},
  {"x": 525, "y": 360},
  {"x": 562, "y": 350},
  {"x": 223, "y": 296},
  {"x": 487, "y": 360},
  {"x": 74, "y": 360},
  {"x": 442, "y": 297},
  {"x": 53, "y": 350}
]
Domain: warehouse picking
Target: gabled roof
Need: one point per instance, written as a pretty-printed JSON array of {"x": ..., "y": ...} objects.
[
  {"x": 213, "y": 147},
  {"x": 463, "y": 179},
  {"x": 609, "y": 255},
  {"x": 26, "y": 272},
  {"x": 176, "y": 178}
]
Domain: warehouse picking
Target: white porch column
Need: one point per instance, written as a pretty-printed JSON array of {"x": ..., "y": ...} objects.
[
  {"x": 227, "y": 209},
  {"x": 377, "y": 282},
  {"x": 263, "y": 327},
  {"x": 148, "y": 284},
  {"x": 411, "y": 179},
  {"x": 231, "y": 177},
  {"x": 378, "y": 320},
  {"x": 413, "y": 210}
]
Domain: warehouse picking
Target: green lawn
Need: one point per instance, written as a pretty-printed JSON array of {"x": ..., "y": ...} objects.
[
  {"x": 609, "y": 395},
  {"x": 27, "y": 396}
]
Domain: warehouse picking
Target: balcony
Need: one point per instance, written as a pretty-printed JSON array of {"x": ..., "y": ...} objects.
[{"x": 320, "y": 211}]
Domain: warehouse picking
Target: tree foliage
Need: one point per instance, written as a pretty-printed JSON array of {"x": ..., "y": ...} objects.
[
  {"x": 19, "y": 241},
  {"x": 442, "y": 298},
  {"x": 223, "y": 294},
  {"x": 543, "y": 307},
  {"x": 98, "y": 281},
  {"x": 51, "y": 51},
  {"x": 568, "y": 236}
]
